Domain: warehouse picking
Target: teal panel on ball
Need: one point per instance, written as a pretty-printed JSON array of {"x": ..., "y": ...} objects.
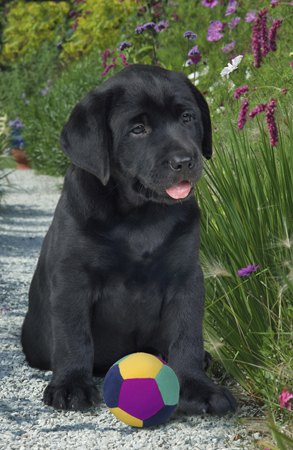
[{"x": 168, "y": 385}]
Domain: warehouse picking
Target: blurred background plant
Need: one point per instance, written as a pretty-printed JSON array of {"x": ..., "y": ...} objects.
[{"x": 53, "y": 53}]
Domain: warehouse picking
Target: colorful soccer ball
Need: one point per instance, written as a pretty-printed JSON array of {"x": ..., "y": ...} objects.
[{"x": 141, "y": 390}]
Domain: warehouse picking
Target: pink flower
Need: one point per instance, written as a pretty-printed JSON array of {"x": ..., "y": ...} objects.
[
  {"x": 229, "y": 47},
  {"x": 271, "y": 121},
  {"x": 175, "y": 16},
  {"x": 246, "y": 271},
  {"x": 231, "y": 7},
  {"x": 284, "y": 399},
  {"x": 250, "y": 17},
  {"x": 240, "y": 91},
  {"x": 243, "y": 115},
  {"x": 291, "y": 64},
  {"x": 214, "y": 31},
  {"x": 234, "y": 22},
  {"x": 210, "y": 3}
]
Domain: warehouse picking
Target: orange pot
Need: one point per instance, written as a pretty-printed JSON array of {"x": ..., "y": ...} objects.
[{"x": 20, "y": 157}]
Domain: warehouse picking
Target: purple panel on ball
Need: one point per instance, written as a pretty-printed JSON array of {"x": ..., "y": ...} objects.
[
  {"x": 111, "y": 387},
  {"x": 160, "y": 417},
  {"x": 140, "y": 397}
]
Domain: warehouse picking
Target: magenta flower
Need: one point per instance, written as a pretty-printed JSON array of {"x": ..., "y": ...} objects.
[
  {"x": 257, "y": 110},
  {"x": 291, "y": 64},
  {"x": 284, "y": 399},
  {"x": 124, "y": 45},
  {"x": 214, "y": 31},
  {"x": 123, "y": 57},
  {"x": 274, "y": 3},
  {"x": 243, "y": 114},
  {"x": 250, "y": 17},
  {"x": 273, "y": 34},
  {"x": 271, "y": 121},
  {"x": 234, "y": 22},
  {"x": 229, "y": 47},
  {"x": 246, "y": 271},
  {"x": 175, "y": 16},
  {"x": 190, "y": 35},
  {"x": 240, "y": 91},
  {"x": 210, "y": 3},
  {"x": 232, "y": 6}
]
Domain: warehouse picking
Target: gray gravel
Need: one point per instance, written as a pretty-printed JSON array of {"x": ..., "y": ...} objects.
[{"x": 25, "y": 216}]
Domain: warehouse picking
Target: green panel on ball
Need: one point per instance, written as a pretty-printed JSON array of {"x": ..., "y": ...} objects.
[{"x": 168, "y": 384}]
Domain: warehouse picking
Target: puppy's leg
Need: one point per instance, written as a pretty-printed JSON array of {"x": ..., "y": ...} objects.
[
  {"x": 72, "y": 385},
  {"x": 186, "y": 355}
]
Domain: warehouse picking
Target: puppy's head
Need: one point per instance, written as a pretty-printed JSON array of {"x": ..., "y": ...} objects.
[{"x": 146, "y": 127}]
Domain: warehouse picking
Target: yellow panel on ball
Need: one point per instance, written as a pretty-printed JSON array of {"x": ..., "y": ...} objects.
[
  {"x": 126, "y": 418},
  {"x": 140, "y": 365}
]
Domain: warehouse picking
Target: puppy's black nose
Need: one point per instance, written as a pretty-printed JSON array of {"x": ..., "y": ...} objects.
[{"x": 181, "y": 162}]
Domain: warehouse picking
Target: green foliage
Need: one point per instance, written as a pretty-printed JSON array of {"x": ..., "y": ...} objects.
[
  {"x": 98, "y": 27},
  {"x": 29, "y": 25},
  {"x": 46, "y": 114},
  {"x": 247, "y": 218}
]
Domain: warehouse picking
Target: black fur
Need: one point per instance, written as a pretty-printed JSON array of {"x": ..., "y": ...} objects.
[{"x": 119, "y": 270}]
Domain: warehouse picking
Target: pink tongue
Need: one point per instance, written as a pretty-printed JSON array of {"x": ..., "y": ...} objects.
[{"x": 180, "y": 190}]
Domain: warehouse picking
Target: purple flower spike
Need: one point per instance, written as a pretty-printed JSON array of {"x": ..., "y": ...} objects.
[
  {"x": 243, "y": 114},
  {"x": 246, "y": 271},
  {"x": 190, "y": 35},
  {"x": 256, "y": 42},
  {"x": 273, "y": 34},
  {"x": 263, "y": 15},
  {"x": 209, "y": 3},
  {"x": 240, "y": 91},
  {"x": 271, "y": 121},
  {"x": 257, "y": 110}
]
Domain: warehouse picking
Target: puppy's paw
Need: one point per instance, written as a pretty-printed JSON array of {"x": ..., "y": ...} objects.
[
  {"x": 77, "y": 396},
  {"x": 202, "y": 396}
]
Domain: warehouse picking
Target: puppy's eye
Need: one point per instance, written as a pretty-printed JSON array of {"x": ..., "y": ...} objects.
[
  {"x": 138, "y": 130},
  {"x": 187, "y": 117}
]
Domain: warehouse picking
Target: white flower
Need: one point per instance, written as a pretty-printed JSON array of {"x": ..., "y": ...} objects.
[{"x": 231, "y": 67}]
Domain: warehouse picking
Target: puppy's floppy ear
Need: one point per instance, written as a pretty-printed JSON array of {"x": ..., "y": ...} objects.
[
  {"x": 86, "y": 137},
  {"x": 207, "y": 149}
]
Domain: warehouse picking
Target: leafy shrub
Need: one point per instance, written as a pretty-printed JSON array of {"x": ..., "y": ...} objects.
[{"x": 29, "y": 25}]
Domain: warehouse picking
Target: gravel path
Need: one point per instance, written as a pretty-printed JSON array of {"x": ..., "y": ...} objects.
[{"x": 25, "y": 423}]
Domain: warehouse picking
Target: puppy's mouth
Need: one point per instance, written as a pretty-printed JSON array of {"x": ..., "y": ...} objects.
[{"x": 178, "y": 191}]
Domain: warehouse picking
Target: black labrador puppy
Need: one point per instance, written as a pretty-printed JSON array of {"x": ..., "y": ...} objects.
[{"x": 119, "y": 267}]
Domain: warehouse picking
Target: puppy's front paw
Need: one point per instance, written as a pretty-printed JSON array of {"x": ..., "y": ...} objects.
[
  {"x": 200, "y": 395},
  {"x": 77, "y": 396}
]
